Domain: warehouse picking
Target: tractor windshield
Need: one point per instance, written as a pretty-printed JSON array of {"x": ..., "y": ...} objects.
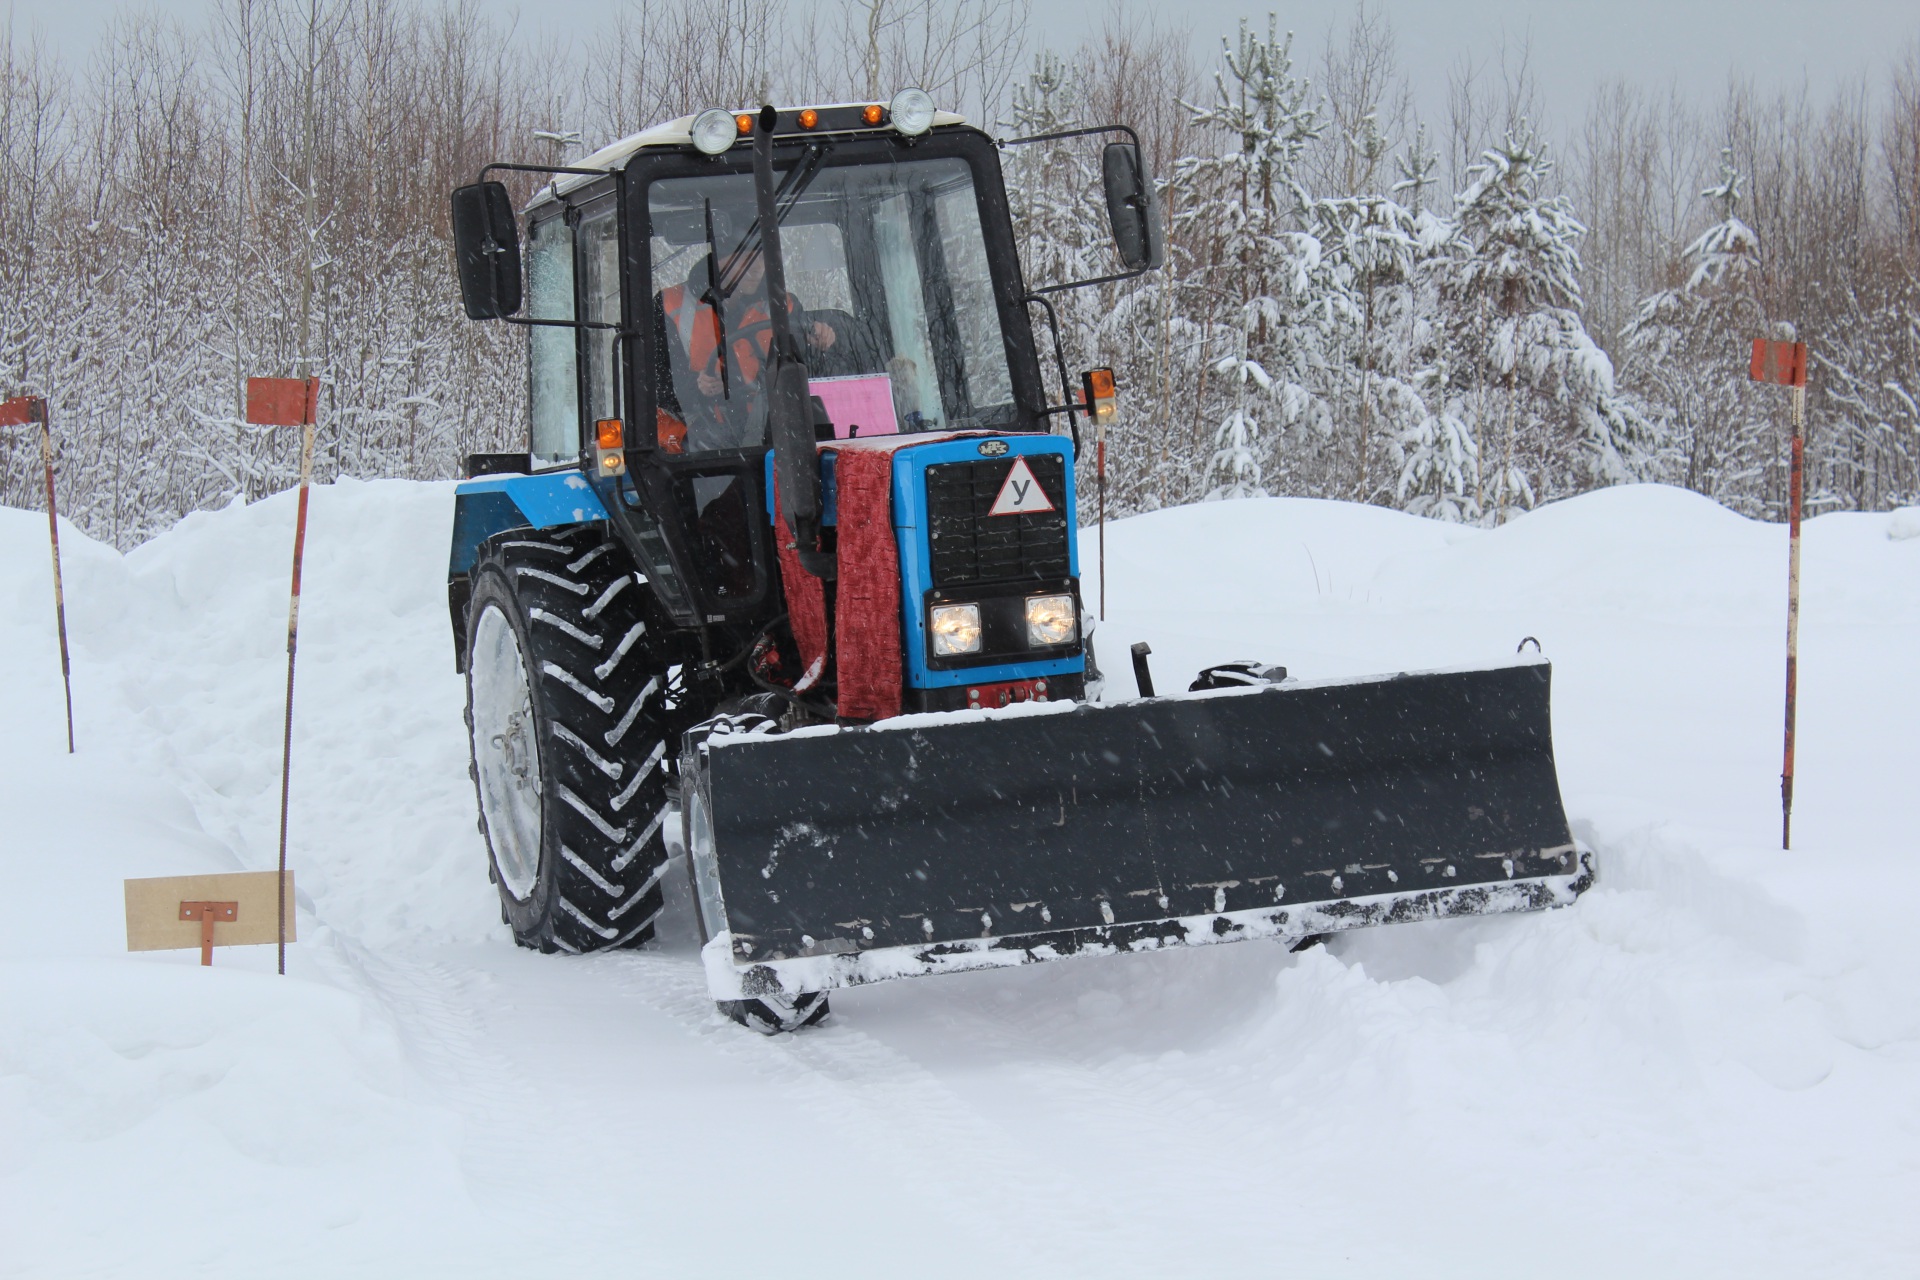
[{"x": 891, "y": 300}]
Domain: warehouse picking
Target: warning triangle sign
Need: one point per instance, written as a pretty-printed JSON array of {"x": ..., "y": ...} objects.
[{"x": 1020, "y": 494}]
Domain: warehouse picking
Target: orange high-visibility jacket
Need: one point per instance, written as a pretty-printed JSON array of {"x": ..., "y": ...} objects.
[{"x": 749, "y": 336}]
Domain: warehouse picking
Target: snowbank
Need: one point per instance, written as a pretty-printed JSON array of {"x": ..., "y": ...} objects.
[{"x": 1707, "y": 1067}]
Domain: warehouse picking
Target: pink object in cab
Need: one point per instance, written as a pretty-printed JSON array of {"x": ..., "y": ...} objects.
[{"x": 860, "y": 406}]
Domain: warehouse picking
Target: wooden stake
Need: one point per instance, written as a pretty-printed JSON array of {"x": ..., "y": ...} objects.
[
  {"x": 1100, "y": 470},
  {"x": 1797, "y": 484},
  {"x": 59, "y": 592},
  {"x": 1784, "y": 363},
  {"x": 23, "y": 411},
  {"x": 1098, "y": 401},
  {"x": 287, "y": 402},
  {"x": 293, "y": 646}
]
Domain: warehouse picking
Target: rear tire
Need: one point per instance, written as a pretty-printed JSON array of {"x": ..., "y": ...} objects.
[{"x": 568, "y": 737}]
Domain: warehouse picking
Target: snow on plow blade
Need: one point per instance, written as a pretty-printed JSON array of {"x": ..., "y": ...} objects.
[{"x": 828, "y": 857}]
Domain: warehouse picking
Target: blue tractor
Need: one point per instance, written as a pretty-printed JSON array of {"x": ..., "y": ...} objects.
[{"x": 785, "y": 597}]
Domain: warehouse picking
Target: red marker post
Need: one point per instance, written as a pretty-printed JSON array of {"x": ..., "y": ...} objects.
[
  {"x": 1785, "y": 364},
  {"x": 1102, "y": 402},
  {"x": 288, "y": 402},
  {"x": 23, "y": 411}
]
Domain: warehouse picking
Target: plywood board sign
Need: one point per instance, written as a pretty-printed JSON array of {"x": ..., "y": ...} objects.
[{"x": 153, "y": 910}]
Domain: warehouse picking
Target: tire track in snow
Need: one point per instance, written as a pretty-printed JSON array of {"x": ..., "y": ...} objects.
[
  {"x": 1169, "y": 1115},
  {"x": 1170, "y": 1075},
  {"x": 1000, "y": 1176},
  {"x": 436, "y": 1014}
]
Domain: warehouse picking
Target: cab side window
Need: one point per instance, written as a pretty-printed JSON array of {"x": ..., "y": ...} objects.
[
  {"x": 599, "y": 238},
  {"x": 553, "y": 380}
]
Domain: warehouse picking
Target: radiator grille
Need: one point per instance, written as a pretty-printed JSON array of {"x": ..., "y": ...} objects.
[{"x": 971, "y": 546}]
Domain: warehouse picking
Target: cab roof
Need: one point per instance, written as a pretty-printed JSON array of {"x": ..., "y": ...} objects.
[{"x": 672, "y": 133}]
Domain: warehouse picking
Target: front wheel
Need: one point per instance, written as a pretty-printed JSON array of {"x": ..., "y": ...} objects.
[
  {"x": 772, "y": 1015},
  {"x": 568, "y": 738}
]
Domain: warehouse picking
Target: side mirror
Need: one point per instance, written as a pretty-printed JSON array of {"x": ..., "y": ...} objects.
[
  {"x": 1132, "y": 208},
  {"x": 486, "y": 250}
]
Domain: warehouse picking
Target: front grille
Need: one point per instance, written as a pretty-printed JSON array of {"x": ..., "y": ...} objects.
[{"x": 971, "y": 546}]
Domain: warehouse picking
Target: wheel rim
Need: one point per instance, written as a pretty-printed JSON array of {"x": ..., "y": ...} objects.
[{"x": 506, "y": 756}]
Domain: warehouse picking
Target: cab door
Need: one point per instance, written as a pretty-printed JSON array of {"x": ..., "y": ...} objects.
[
  {"x": 598, "y": 237},
  {"x": 553, "y": 367}
]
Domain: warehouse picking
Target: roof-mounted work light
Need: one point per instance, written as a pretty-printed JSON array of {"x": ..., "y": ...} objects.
[
  {"x": 714, "y": 130},
  {"x": 911, "y": 112}
]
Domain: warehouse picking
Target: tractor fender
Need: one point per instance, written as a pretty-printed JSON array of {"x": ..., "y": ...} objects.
[{"x": 488, "y": 505}]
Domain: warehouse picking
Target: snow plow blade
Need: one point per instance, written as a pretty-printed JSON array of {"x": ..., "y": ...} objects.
[{"x": 829, "y": 857}]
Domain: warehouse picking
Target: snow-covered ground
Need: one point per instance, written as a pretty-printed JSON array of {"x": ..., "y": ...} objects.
[{"x": 1709, "y": 1066}]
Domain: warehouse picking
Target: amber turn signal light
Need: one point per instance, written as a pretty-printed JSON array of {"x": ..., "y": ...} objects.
[
  {"x": 1102, "y": 403},
  {"x": 872, "y": 113},
  {"x": 609, "y": 433},
  {"x": 809, "y": 118},
  {"x": 743, "y": 122}
]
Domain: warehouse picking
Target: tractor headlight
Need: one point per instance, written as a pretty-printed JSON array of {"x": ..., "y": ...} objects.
[
  {"x": 911, "y": 112},
  {"x": 1051, "y": 621},
  {"x": 714, "y": 130},
  {"x": 956, "y": 629}
]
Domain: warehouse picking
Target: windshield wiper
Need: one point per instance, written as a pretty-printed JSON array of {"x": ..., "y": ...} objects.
[
  {"x": 716, "y": 300},
  {"x": 786, "y": 196}
]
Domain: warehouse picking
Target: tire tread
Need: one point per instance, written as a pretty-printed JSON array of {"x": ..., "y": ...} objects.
[{"x": 574, "y": 591}]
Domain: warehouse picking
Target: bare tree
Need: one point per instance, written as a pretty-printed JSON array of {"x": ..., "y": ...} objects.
[
  {"x": 1369, "y": 107},
  {"x": 1489, "y": 98},
  {"x": 963, "y": 52}
]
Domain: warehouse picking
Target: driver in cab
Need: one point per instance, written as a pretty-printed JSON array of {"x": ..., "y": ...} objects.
[{"x": 710, "y": 395}]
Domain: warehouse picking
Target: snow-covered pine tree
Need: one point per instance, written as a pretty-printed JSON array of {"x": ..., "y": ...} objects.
[
  {"x": 1437, "y": 456},
  {"x": 1869, "y": 396},
  {"x": 1257, "y": 274},
  {"x": 1373, "y": 252},
  {"x": 1049, "y": 184},
  {"x": 1440, "y": 469},
  {"x": 1236, "y": 456},
  {"x": 1529, "y": 381},
  {"x": 1686, "y": 355}
]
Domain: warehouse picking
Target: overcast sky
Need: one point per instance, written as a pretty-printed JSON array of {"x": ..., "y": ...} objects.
[{"x": 1575, "y": 44}]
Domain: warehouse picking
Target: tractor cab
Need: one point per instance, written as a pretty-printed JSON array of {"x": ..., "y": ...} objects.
[
  {"x": 893, "y": 277},
  {"x": 649, "y": 297}
]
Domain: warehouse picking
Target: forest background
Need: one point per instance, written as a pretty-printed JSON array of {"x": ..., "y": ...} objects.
[{"x": 1450, "y": 313}]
